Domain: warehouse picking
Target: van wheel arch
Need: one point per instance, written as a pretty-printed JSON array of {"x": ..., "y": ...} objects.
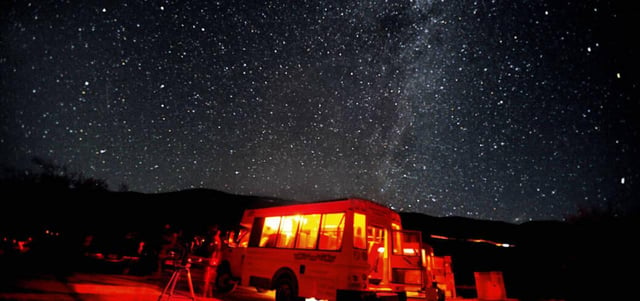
[
  {"x": 224, "y": 281},
  {"x": 285, "y": 284}
]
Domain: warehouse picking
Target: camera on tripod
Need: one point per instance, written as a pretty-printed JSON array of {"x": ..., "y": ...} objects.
[
  {"x": 182, "y": 256},
  {"x": 181, "y": 264}
]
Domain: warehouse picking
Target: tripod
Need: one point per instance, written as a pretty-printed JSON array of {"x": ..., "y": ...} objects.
[{"x": 169, "y": 289}]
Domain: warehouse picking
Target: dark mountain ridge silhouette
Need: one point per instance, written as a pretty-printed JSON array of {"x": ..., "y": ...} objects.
[{"x": 107, "y": 210}]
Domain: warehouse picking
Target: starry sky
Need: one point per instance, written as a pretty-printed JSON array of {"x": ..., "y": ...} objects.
[{"x": 499, "y": 110}]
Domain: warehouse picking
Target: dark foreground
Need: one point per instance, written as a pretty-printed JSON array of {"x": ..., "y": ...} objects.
[
  {"x": 28, "y": 277},
  {"x": 108, "y": 287},
  {"x": 114, "y": 287},
  {"x": 84, "y": 286},
  {"x": 81, "y": 287}
]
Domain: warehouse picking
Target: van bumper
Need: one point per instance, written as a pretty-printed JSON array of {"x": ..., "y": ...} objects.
[{"x": 349, "y": 295}]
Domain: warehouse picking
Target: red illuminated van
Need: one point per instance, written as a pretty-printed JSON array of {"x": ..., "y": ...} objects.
[{"x": 350, "y": 249}]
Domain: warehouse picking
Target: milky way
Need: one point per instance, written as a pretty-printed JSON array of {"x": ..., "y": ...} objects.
[{"x": 515, "y": 111}]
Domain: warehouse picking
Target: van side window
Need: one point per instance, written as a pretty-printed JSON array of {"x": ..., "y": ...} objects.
[
  {"x": 359, "y": 235},
  {"x": 256, "y": 232},
  {"x": 331, "y": 231},
  {"x": 308, "y": 235},
  {"x": 288, "y": 231},
  {"x": 270, "y": 232}
]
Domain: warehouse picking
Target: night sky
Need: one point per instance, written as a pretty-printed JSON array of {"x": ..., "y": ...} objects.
[{"x": 501, "y": 110}]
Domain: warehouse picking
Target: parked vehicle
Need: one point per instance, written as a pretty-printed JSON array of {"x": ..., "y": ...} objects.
[{"x": 350, "y": 249}]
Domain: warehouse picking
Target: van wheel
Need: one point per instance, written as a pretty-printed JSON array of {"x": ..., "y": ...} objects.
[
  {"x": 225, "y": 283},
  {"x": 286, "y": 289}
]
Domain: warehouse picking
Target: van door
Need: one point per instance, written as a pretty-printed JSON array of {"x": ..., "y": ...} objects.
[
  {"x": 377, "y": 255},
  {"x": 407, "y": 266}
]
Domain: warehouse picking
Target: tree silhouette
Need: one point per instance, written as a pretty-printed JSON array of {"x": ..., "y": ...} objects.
[
  {"x": 612, "y": 209},
  {"x": 50, "y": 177},
  {"x": 123, "y": 187}
]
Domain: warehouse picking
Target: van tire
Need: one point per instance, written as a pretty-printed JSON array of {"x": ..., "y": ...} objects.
[
  {"x": 225, "y": 284},
  {"x": 286, "y": 289}
]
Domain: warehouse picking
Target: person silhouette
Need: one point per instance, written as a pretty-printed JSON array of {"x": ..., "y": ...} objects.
[
  {"x": 169, "y": 246},
  {"x": 215, "y": 247}
]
